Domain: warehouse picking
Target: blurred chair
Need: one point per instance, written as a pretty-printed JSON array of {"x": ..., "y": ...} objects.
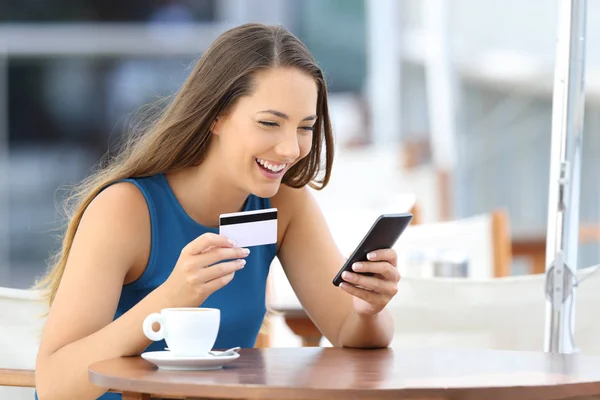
[
  {"x": 22, "y": 315},
  {"x": 530, "y": 244},
  {"x": 482, "y": 242},
  {"x": 500, "y": 313}
]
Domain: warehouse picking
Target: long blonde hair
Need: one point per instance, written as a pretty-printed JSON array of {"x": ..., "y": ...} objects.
[{"x": 179, "y": 138}]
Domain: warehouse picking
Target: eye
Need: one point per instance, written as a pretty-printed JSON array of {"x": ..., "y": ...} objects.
[
  {"x": 268, "y": 123},
  {"x": 307, "y": 128}
]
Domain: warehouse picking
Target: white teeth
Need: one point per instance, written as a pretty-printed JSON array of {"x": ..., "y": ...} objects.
[{"x": 271, "y": 167}]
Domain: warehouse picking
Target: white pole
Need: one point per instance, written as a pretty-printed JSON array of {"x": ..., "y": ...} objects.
[
  {"x": 4, "y": 165},
  {"x": 384, "y": 70},
  {"x": 440, "y": 93},
  {"x": 565, "y": 171}
]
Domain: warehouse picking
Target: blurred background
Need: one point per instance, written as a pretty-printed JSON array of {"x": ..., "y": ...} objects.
[{"x": 449, "y": 102}]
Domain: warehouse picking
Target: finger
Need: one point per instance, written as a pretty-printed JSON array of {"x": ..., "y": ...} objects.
[
  {"x": 218, "y": 283},
  {"x": 388, "y": 255},
  {"x": 377, "y": 301},
  {"x": 203, "y": 242},
  {"x": 219, "y": 270},
  {"x": 218, "y": 254},
  {"x": 384, "y": 268},
  {"x": 209, "y": 248},
  {"x": 372, "y": 283}
]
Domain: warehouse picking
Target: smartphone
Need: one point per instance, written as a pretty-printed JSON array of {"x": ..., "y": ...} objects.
[{"x": 384, "y": 233}]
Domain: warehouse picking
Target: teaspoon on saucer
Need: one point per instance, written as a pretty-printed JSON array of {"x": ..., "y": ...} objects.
[{"x": 228, "y": 352}]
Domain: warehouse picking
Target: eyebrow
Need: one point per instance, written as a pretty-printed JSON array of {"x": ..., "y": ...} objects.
[{"x": 285, "y": 116}]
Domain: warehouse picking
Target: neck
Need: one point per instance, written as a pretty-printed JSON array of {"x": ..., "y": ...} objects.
[{"x": 204, "y": 193}]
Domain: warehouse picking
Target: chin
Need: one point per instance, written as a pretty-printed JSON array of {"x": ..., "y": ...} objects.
[
  {"x": 266, "y": 191},
  {"x": 265, "y": 183}
]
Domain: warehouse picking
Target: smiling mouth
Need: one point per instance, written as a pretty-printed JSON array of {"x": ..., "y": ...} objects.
[{"x": 270, "y": 167}]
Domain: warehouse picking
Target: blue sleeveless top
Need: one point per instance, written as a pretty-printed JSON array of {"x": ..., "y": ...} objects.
[{"x": 242, "y": 301}]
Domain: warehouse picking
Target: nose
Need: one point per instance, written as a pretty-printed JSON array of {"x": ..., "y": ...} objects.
[{"x": 288, "y": 148}]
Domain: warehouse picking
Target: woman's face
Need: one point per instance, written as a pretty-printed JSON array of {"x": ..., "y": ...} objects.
[{"x": 267, "y": 132}]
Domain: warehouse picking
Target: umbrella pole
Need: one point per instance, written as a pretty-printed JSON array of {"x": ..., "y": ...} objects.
[
  {"x": 4, "y": 174},
  {"x": 565, "y": 171}
]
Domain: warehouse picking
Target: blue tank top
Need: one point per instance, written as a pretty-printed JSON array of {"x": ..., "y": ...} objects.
[{"x": 242, "y": 301}]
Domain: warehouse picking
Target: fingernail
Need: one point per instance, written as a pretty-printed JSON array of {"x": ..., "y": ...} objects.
[
  {"x": 347, "y": 275},
  {"x": 245, "y": 251},
  {"x": 371, "y": 256},
  {"x": 357, "y": 266},
  {"x": 231, "y": 242},
  {"x": 242, "y": 263}
]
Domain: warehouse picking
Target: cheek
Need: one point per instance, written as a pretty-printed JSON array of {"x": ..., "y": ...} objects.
[
  {"x": 239, "y": 141},
  {"x": 305, "y": 145}
]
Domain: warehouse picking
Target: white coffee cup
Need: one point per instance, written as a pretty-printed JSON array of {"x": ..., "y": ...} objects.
[{"x": 188, "y": 331}]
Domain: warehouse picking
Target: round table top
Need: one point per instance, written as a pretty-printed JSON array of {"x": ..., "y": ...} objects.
[{"x": 338, "y": 373}]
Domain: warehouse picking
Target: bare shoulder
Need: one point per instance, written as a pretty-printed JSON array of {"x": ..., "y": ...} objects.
[
  {"x": 110, "y": 247},
  {"x": 120, "y": 197},
  {"x": 122, "y": 201},
  {"x": 121, "y": 213}
]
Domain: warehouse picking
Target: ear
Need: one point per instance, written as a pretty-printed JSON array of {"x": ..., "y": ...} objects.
[{"x": 215, "y": 126}]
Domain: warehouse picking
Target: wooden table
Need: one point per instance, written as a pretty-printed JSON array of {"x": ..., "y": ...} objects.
[{"x": 336, "y": 373}]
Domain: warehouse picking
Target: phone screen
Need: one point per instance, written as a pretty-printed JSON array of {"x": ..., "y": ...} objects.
[{"x": 383, "y": 235}]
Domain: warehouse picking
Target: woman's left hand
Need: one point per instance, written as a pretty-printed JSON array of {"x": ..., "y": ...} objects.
[{"x": 372, "y": 293}]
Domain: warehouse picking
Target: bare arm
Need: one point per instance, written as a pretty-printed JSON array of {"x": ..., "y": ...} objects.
[
  {"x": 311, "y": 259},
  {"x": 112, "y": 241},
  {"x": 111, "y": 247}
]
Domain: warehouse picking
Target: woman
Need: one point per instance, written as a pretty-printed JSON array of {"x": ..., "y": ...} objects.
[{"x": 247, "y": 131}]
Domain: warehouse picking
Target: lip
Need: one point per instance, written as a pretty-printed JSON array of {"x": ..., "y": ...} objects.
[
  {"x": 271, "y": 162},
  {"x": 268, "y": 174}
]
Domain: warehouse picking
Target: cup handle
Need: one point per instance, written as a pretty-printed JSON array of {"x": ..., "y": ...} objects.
[{"x": 147, "y": 327}]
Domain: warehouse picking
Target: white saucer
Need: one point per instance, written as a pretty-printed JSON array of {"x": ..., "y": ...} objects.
[{"x": 169, "y": 361}]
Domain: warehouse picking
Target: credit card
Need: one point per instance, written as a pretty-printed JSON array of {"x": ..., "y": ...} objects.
[{"x": 250, "y": 228}]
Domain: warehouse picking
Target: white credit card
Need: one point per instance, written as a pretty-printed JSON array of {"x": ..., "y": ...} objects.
[{"x": 250, "y": 228}]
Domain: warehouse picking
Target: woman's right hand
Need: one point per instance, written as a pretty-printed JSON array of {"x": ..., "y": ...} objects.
[{"x": 195, "y": 277}]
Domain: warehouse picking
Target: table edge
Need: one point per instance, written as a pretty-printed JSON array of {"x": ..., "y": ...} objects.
[{"x": 254, "y": 391}]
